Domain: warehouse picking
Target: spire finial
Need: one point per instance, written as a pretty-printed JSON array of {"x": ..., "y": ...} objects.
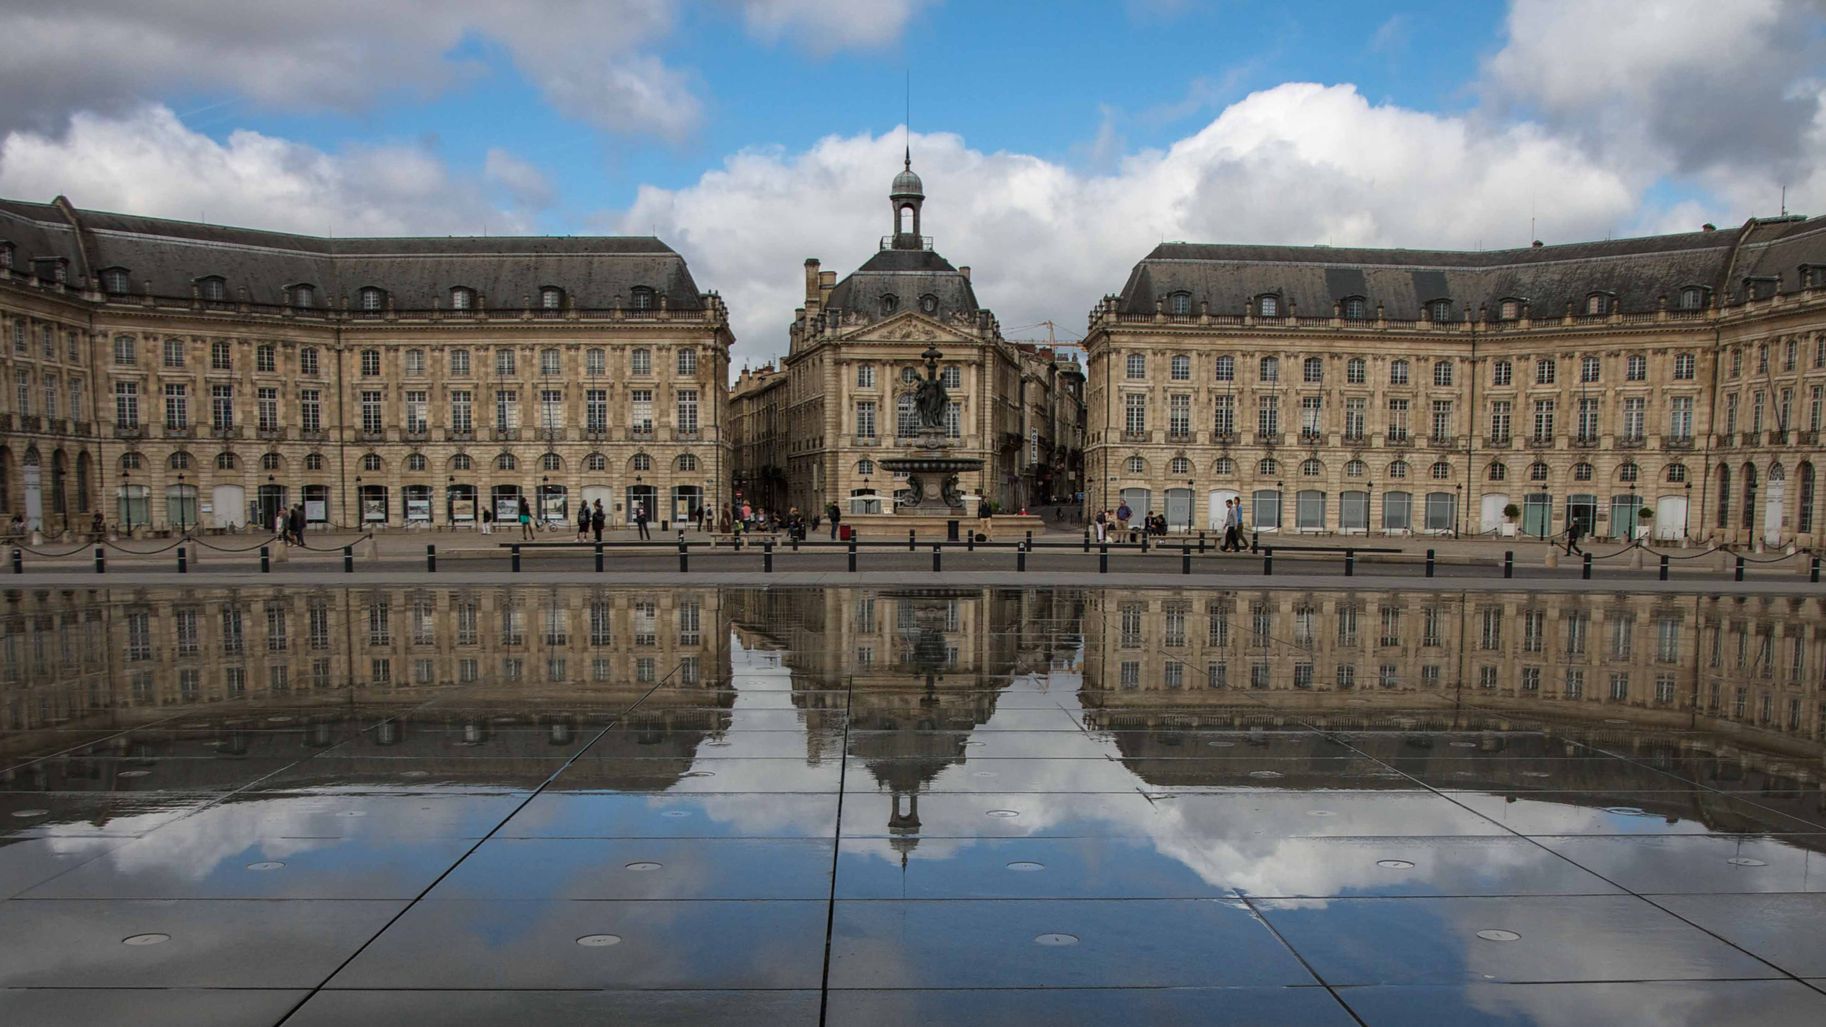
[{"x": 907, "y": 163}]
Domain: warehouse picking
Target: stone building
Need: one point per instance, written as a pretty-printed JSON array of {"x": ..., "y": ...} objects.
[
  {"x": 854, "y": 352},
  {"x": 757, "y": 437},
  {"x": 1397, "y": 391},
  {"x": 174, "y": 375}
]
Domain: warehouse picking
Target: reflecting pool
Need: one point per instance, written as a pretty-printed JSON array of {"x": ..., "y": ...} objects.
[{"x": 470, "y": 806}]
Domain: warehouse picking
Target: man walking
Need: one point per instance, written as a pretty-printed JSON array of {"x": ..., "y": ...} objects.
[
  {"x": 1228, "y": 545},
  {"x": 640, "y": 521},
  {"x": 832, "y": 514},
  {"x": 1574, "y": 532},
  {"x": 597, "y": 519}
]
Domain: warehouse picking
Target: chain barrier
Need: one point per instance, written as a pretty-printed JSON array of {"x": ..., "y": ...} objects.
[
  {"x": 331, "y": 549},
  {"x": 246, "y": 549}
]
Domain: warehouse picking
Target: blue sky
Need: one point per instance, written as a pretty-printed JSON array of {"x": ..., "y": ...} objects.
[{"x": 1059, "y": 141}]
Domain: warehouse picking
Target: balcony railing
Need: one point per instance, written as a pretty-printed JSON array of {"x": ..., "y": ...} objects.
[
  {"x": 30, "y": 422},
  {"x": 1540, "y": 442},
  {"x": 374, "y": 435},
  {"x": 313, "y": 435},
  {"x": 868, "y": 440},
  {"x": 1180, "y": 437},
  {"x": 1585, "y": 441},
  {"x": 1267, "y": 438},
  {"x": 641, "y": 434},
  {"x": 1443, "y": 441},
  {"x": 56, "y": 425},
  {"x": 1312, "y": 437},
  {"x": 1631, "y": 441},
  {"x": 1397, "y": 438},
  {"x": 1224, "y": 438},
  {"x": 271, "y": 434},
  {"x": 1807, "y": 438},
  {"x": 420, "y": 433},
  {"x": 129, "y": 431},
  {"x": 506, "y": 435},
  {"x": 1499, "y": 441},
  {"x": 225, "y": 432},
  {"x": 688, "y": 435},
  {"x": 1355, "y": 439},
  {"x": 1677, "y": 442},
  {"x": 179, "y": 431},
  {"x": 1134, "y": 436}
]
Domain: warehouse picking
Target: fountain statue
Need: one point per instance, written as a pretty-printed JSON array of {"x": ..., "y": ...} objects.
[{"x": 932, "y": 485}]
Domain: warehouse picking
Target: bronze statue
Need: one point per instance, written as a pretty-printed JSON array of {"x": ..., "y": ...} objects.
[{"x": 930, "y": 400}]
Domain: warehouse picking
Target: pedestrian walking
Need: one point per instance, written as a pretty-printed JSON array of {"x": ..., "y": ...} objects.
[
  {"x": 597, "y": 519},
  {"x": 526, "y": 519},
  {"x": 297, "y": 523},
  {"x": 1575, "y": 531},
  {"x": 832, "y": 514},
  {"x": 1123, "y": 513},
  {"x": 583, "y": 521},
  {"x": 640, "y": 521}
]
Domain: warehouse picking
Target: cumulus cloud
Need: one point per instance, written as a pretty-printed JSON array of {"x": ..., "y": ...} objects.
[
  {"x": 1299, "y": 163},
  {"x": 821, "y": 27},
  {"x": 145, "y": 161},
  {"x": 1726, "y": 92},
  {"x": 525, "y": 183},
  {"x": 589, "y": 57}
]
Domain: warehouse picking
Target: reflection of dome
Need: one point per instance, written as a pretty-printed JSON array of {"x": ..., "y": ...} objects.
[{"x": 907, "y": 184}]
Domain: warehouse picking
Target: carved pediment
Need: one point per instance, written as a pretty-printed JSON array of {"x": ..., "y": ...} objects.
[{"x": 908, "y": 326}]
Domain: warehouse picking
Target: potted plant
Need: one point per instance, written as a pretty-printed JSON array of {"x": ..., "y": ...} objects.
[
  {"x": 1646, "y": 516},
  {"x": 1510, "y": 513}
]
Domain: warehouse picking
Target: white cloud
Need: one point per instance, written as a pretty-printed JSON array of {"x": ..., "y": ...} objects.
[
  {"x": 145, "y": 161},
  {"x": 822, "y": 27},
  {"x": 525, "y": 183},
  {"x": 587, "y": 56},
  {"x": 1299, "y": 163}
]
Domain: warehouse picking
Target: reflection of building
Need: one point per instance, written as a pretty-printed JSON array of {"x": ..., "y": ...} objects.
[
  {"x": 124, "y": 657},
  {"x": 855, "y": 351},
  {"x": 1405, "y": 390},
  {"x": 171, "y": 373},
  {"x": 1759, "y": 658}
]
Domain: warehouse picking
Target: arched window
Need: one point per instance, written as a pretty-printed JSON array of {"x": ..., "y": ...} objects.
[
  {"x": 1537, "y": 471},
  {"x": 115, "y": 281},
  {"x": 506, "y": 462},
  {"x": 130, "y": 461},
  {"x": 1179, "y": 304},
  {"x": 1692, "y": 298},
  {"x": 1269, "y": 369},
  {"x": 595, "y": 361},
  {"x": 1267, "y": 466},
  {"x": 1180, "y": 367},
  {"x": 928, "y": 304},
  {"x": 1442, "y": 372},
  {"x": 462, "y": 298},
  {"x": 1268, "y": 305},
  {"x": 551, "y": 462},
  {"x": 1628, "y": 472},
  {"x": 271, "y": 461},
  {"x": 1226, "y": 368},
  {"x": 1440, "y": 471},
  {"x": 1312, "y": 370},
  {"x": 1597, "y": 304},
  {"x": 551, "y": 297},
  {"x": 226, "y": 462},
  {"x": 865, "y": 467},
  {"x": 1498, "y": 471},
  {"x": 372, "y": 298},
  {"x": 687, "y": 462},
  {"x": 1355, "y": 469},
  {"x": 889, "y": 303},
  {"x": 642, "y": 462},
  {"x": 1398, "y": 470},
  {"x": 1224, "y": 466},
  {"x": 461, "y": 462},
  {"x": 212, "y": 288},
  {"x": 1676, "y": 473},
  {"x": 1356, "y": 372},
  {"x": 1179, "y": 465},
  {"x": 371, "y": 462},
  {"x": 1354, "y": 308},
  {"x": 595, "y": 462},
  {"x": 1509, "y": 309},
  {"x": 641, "y": 298},
  {"x": 179, "y": 461},
  {"x": 313, "y": 461},
  {"x": 302, "y": 296},
  {"x": 417, "y": 462},
  {"x": 1581, "y": 472},
  {"x": 1398, "y": 372},
  {"x": 1136, "y": 465},
  {"x": 1310, "y": 468},
  {"x": 1439, "y": 311},
  {"x": 640, "y": 361}
]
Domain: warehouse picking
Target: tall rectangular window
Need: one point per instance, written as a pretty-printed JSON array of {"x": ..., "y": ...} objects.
[
  {"x": 640, "y": 410},
  {"x": 865, "y": 419},
  {"x": 1268, "y": 415},
  {"x": 370, "y": 412},
  {"x": 687, "y": 410},
  {"x": 1442, "y": 419},
  {"x": 1635, "y": 417},
  {"x": 504, "y": 363},
  {"x": 1356, "y": 412},
  {"x": 596, "y": 409},
  {"x": 307, "y": 361},
  {"x": 1179, "y": 414},
  {"x": 125, "y": 353},
  {"x": 1543, "y": 420},
  {"x": 177, "y": 406},
  {"x": 459, "y": 361},
  {"x": 865, "y": 376},
  {"x": 310, "y": 410},
  {"x": 266, "y": 408},
  {"x": 417, "y": 405},
  {"x": 1502, "y": 372},
  {"x": 687, "y": 362},
  {"x": 221, "y": 356},
  {"x": 1545, "y": 371},
  {"x": 1501, "y": 420},
  {"x": 1684, "y": 366},
  {"x": 1135, "y": 412},
  {"x": 1588, "y": 417},
  {"x": 266, "y": 359},
  {"x": 462, "y": 411},
  {"x": 1398, "y": 420},
  {"x": 174, "y": 353},
  {"x": 507, "y": 409},
  {"x": 551, "y": 408},
  {"x": 222, "y": 406},
  {"x": 1224, "y": 423},
  {"x": 1311, "y": 415},
  {"x": 1680, "y": 417},
  {"x": 550, "y": 362}
]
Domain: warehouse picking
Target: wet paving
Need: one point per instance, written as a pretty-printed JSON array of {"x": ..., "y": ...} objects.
[{"x": 561, "y": 806}]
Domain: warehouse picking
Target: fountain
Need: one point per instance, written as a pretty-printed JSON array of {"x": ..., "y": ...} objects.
[{"x": 932, "y": 488}]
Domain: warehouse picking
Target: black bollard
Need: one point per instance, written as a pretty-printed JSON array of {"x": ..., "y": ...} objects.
[
  {"x": 1740, "y": 568},
  {"x": 515, "y": 551},
  {"x": 348, "y": 559},
  {"x": 1087, "y": 540},
  {"x": 18, "y": 561},
  {"x": 1585, "y": 567},
  {"x": 1020, "y": 557},
  {"x": 767, "y": 556},
  {"x": 430, "y": 558},
  {"x": 684, "y": 560},
  {"x": 1144, "y": 541},
  {"x": 1813, "y": 569},
  {"x": 1430, "y": 560},
  {"x": 793, "y": 537},
  {"x": 183, "y": 560},
  {"x": 1103, "y": 558},
  {"x": 1350, "y": 562},
  {"x": 1664, "y": 566},
  {"x": 1185, "y": 558},
  {"x": 599, "y": 558},
  {"x": 101, "y": 562},
  {"x": 1268, "y": 562},
  {"x": 1201, "y": 543},
  {"x": 852, "y": 554},
  {"x": 970, "y": 541},
  {"x": 936, "y": 564},
  {"x": 1508, "y": 563},
  {"x": 1029, "y": 538},
  {"x": 910, "y": 540},
  {"x": 266, "y": 560}
]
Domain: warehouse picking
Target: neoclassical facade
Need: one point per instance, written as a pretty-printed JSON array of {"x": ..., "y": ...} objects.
[
  {"x": 855, "y": 352},
  {"x": 178, "y": 375},
  {"x": 1404, "y": 391}
]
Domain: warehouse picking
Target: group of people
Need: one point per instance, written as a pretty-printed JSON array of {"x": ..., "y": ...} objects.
[
  {"x": 1116, "y": 524},
  {"x": 289, "y": 525},
  {"x": 1233, "y": 527},
  {"x": 590, "y": 518}
]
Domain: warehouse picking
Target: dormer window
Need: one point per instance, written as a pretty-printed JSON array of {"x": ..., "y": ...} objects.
[
  {"x": 212, "y": 288},
  {"x": 462, "y": 298},
  {"x": 1597, "y": 304},
  {"x": 115, "y": 281},
  {"x": 1268, "y": 305},
  {"x": 928, "y": 304},
  {"x": 6, "y": 256},
  {"x": 1179, "y": 304},
  {"x": 551, "y": 298},
  {"x": 50, "y": 269},
  {"x": 1354, "y": 308},
  {"x": 1509, "y": 310},
  {"x": 372, "y": 298},
  {"x": 642, "y": 298},
  {"x": 1813, "y": 276},
  {"x": 1759, "y": 288},
  {"x": 1692, "y": 297},
  {"x": 889, "y": 303},
  {"x": 1439, "y": 311},
  {"x": 302, "y": 296}
]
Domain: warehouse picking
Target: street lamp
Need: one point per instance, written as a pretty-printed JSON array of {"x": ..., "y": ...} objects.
[
  {"x": 1686, "y": 515},
  {"x": 183, "y": 525},
  {"x": 1369, "y": 505},
  {"x": 1458, "y": 515}
]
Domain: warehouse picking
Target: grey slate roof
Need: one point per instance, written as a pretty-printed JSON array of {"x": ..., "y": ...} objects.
[
  {"x": 1637, "y": 271},
  {"x": 908, "y": 275},
  {"x": 594, "y": 271}
]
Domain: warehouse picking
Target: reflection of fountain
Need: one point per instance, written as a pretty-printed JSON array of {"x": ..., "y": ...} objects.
[{"x": 932, "y": 486}]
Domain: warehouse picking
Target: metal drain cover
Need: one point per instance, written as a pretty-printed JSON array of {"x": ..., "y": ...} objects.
[
  {"x": 1497, "y": 934},
  {"x": 599, "y": 941},
  {"x": 1056, "y": 939}
]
